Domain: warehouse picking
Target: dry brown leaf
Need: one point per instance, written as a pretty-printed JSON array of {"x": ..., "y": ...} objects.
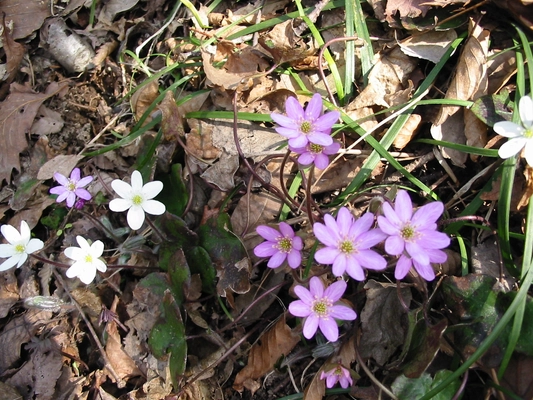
[
  {"x": 528, "y": 190},
  {"x": 406, "y": 9},
  {"x": 14, "y": 52},
  {"x": 408, "y": 131},
  {"x": 428, "y": 45},
  {"x": 222, "y": 172},
  {"x": 48, "y": 122},
  {"x": 64, "y": 164},
  {"x": 475, "y": 132},
  {"x": 143, "y": 98},
  {"x": 9, "y": 291},
  {"x": 17, "y": 113},
  {"x": 316, "y": 389},
  {"x": 452, "y": 130},
  {"x": 501, "y": 67},
  {"x": 277, "y": 342},
  {"x": 18, "y": 11},
  {"x": 382, "y": 330},
  {"x": 114, "y": 7},
  {"x": 283, "y": 44}
]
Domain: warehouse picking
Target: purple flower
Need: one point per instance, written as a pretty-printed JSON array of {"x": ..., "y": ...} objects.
[
  {"x": 348, "y": 244},
  {"x": 337, "y": 374},
  {"x": 413, "y": 236},
  {"x": 316, "y": 153},
  {"x": 319, "y": 307},
  {"x": 302, "y": 127},
  {"x": 279, "y": 245},
  {"x": 72, "y": 187}
]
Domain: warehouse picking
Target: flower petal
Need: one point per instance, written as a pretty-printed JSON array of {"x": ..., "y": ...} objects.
[
  {"x": 355, "y": 270},
  {"x": 75, "y": 175},
  {"x": 390, "y": 215},
  {"x": 320, "y": 138},
  {"x": 525, "y": 108},
  {"x": 424, "y": 270},
  {"x": 327, "y": 255},
  {"x": 417, "y": 252},
  {"x": 402, "y": 267},
  {"x": 304, "y": 294},
  {"x": 97, "y": 249},
  {"x": 343, "y": 313},
  {"x": 403, "y": 206},
  {"x": 289, "y": 133},
  {"x": 339, "y": 265},
  {"x": 84, "y": 182},
  {"x": 386, "y": 226},
  {"x": 314, "y": 108},
  {"x": 10, "y": 263},
  {"x": 528, "y": 152},
  {"x": 508, "y": 129},
  {"x": 294, "y": 109},
  {"x": 299, "y": 141},
  {"x": 299, "y": 309},
  {"x": 87, "y": 275},
  {"x": 370, "y": 239},
  {"x": 316, "y": 287},
  {"x": 434, "y": 240},
  {"x": 268, "y": 233},
  {"x": 153, "y": 207},
  {"x": 297, "y": 243},
  {"x": 135, "y": 217},
  {"x": 58, "y": 190},
  {"x": 152, "y": 189},
  {"x": 11, "y": 234},
  {"x": 276, "y": 260},
  {"x": 83, "y": 194},
  {"x": 344, "y": 221},
  {"x": 294, "y": 259},
  {"x": 265, "y": 249},
  {"x": 122, "y": 188},
  {"x": 118, "y": 205},
  {"x": 286, "y": 230},
  {"x": 394, "y": 245},
  {"x": 335, "y": 291},
  {"x": 512, "y": 147},
  {"x": 34, "y": 245},
  {"x": 284, "y": 121},
  {"x": 321, "y": 161},
  {"x": 427, "y": 214},
  {"x": 324, "y": 234},
  {"x": 7, "y": 250},
  {"x": 329, "y": 328},
  {"x": 310, "y": 326},
  {"x": 326, "y": 121},
  {"x": 136, "y": 181},
  {"x": 370, "y": 259}
]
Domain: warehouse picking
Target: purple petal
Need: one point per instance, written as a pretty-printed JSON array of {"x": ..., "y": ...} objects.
[
  {"x": 265, "y": 249},
  {"x": 344, "y": 221},
  {"x": 386, "y": 226},
  {"x": 437, "y": 256},
  {"x": 316, "y": 287},
  {"x": 268, "y": 233},
  {"x": 355, "y": 271},
  {"x": 343, "y": 313},
  {"x": 289, "y": 133},
  {"x": 332, "y": 148},
  {"x": 417, "y": 252},
  {"x": 428, "y": 214},
  {"x": 326, "y": 121},
  {"x": 61, "y": 179},
  {"x": 276, "y": 260},
  {"x": 299, "y": 141},
  {"x": 293, "y": 109},
  {"x": 394, "y": 245},
  {"x": 286, "y": 230},
  {"x": 325, "y": 234},
  {"x": 63, "y": 196},
  {"x": 329, "y": 329},
  {"x": 369, "y": 259},
  {"x": 284, "y": 121},
  {"x": 310, "y": 326},
  {"x": 58, "y": 190},
  {"x": 321, "y": 161},
  {"x": 403, "y": 206},
  {"x": 306, "y": 158},
  {"x": 299, "y": 309},
  {"x": 314, "y": 108},
  {"x": 294, "y": 259},
  {"x": 370, "y": 239},
  {"x": 331, "y": 380},
  {"x": 71, "y": 199},
  {"x": 304, "y": 294},
  {"x": 298, "y": 150},
  {"x": 320, "y": 138},
  {"x": 75, "y": 175},
  {"x": 335, "y": 291},
  {"x": 424, "y": 270},
  {"x": 84, "y": 182},
  {"x": 362, "y": 225},
  {"x": 402, "y": 267},
  {"x": 434, "y": 240},
  {"x": 327, "y": 255},
  {"x": 83, "y": 193},
  {"x": 391, "y": 216},
  {"x": 297, "y": 243},
  {"x": 333, "y": 226},
  {"x": 339, "y": 265}
]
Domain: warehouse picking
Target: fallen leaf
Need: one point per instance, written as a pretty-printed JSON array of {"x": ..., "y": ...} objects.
[
  {"x": 14, "y": 52},
  {"x": 408, "y": 131},
  {"x": 275, "y": 343},
  {"x": 222, "y": 172},
  {"x": 428, "y": 45},
  {"x": 26, "y": 16},
  {"x": 9, "y": 291},
  {"x": 143, "y": 98},
  {"x": 63, "y": 164},
  {"x": 452, "y": 130},
  {"x": 17, "y": 113},
  {"x": 114, "y": 7},
  {"x": 48, "y": 122}
]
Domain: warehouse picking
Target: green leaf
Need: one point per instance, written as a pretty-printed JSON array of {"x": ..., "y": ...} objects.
[
  {"x": 174, "y": 194},
  {"x": 176, "y": 230},
  {"x": 167, "y": 338},
  {"x": 172, "y": 259},
  {"x": 493, "y": 108},
  {"x": 200, "y": 263},
  {"x": 413, "y": 389}
]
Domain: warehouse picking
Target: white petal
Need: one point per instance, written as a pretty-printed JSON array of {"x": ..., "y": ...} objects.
[
  {"x": 508, "y": 129},
  {"x": 74, "y": 270},
  {"x": 152, "y": 189},
  {"x": 34, "y": 245},
  {"x": 100, "y": 265},
  {"x": 528, "y": 152},
  {"x": 135, "y": 217},
  {"x": 122, "y": 188},
  {"x": 7, "y": 250},
  {"x": 511, "y": 147},
  {"x": 74, "y": 253},
  {"x": 525, "y": 108},
  {"x": 118, "y": 205},
  {"x": 87, "y": 275},
  {"x": 136, "y": 180},
  {"x": 97, "y": 248},
  {"x": 84, "y": 244},
  {"x": 154, "y": 207},
  {"x": 25, "y": 232},
  {"x": 9, "y": 263},
  {"x": 22, "y": 257},
  {"x": 10, "y": 233}
]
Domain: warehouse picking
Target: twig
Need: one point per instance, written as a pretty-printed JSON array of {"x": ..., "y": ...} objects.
[{"x": 372, "y": 377}]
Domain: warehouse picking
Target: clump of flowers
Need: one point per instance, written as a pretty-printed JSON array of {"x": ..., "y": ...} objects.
[
  {"x": 520, "y": 135},
  {"x": 320, "y": 308},
  {"x": 279, "y": 246},
  {"x": 348, "y": 244},
  {"x": 72, "y": 188},
  {"x": 20, "y": 245},
  {"x": 137, "y": 199},
  {"x": 337, "y": 374},
  {"x": 316, "y": 154},
  {"x": 306, "y": 126},
  {"x": 413, "y": 235},
  {"x": 86, "y": 260}
]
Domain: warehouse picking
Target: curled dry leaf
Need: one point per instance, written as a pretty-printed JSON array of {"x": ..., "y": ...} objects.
[
  {"x": 428, "y": 45},
  {"x": 528, "y": 187},
  {"x": 143, "y": 98},
  {"x": 408, "y": 131},
  {"x": 277, "y": 342}
]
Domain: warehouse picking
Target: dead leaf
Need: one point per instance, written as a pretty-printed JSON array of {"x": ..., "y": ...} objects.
[
  {"x": 406, "y": 9},
  {"x": 316, "y": 389},
  {"x": 143, "y": 98},
  {"x": 9, "y": 291},
  {"x": 428, "y": 45},
  {"x": 283, "y": 45},
  {"x": 277, "y": 342},
  {"x": 17, "y": 113},
  {"x": 382, "y": 330},
  {"x": 222, "y": 172},
  {"x": 528, "y": 190},
  {"x": 17, "y": 13},
  {"x": 112, "y": 8},
  {"x": 48, "y": 122},
  {"x": 408, "y": 131},
  {"x": 63, "y": 164},
  {"x": 14, "y": 52},
  {"x": 452, "y": 130},
  {"x": 475, "y": 132}
]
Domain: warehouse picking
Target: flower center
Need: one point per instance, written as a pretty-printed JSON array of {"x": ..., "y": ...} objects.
[
  {"x": 20, "y": 248},
  {"x": 137, "y": 200},
  {"x": 305, "y": 127},
  {"x": 315, "y": 148},
  {"x": 321, "y": 307},
  {"x": 528, "y": 133},
  {"x": 338, "y": 371},
  {"x": 89, "y": 258},
  {"x": 346, "y": 247},
  {"x": 284, "y": 244},
  {"x": 71, "y": 186},
  {"x": 409, "y": 233}
]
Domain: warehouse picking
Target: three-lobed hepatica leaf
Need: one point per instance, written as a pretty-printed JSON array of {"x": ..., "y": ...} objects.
[{"x": 174, "y": 194}]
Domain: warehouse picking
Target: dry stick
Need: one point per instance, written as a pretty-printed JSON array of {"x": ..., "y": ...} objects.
[
  {"x": 461, "y": 387},
  {"x": 371, "y": 375},
  {"x": 107, "y": 363}
]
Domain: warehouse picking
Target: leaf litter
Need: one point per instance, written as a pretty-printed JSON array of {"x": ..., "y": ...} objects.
[{"x": 185, "y": 308}]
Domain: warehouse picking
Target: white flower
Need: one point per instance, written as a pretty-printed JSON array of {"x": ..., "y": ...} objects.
[
  {"x": 87, "y": 260},
  {"x": 137, "y": 198},
  {"x": 20, "y": 245},
  {"x": 520, "y": 135}
]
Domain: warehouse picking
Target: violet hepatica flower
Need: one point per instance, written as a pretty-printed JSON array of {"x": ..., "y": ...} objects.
[
  {"x": 413, "y": 235},
  {"x": 306, "y": 126},
  {"x": 520, "y": 136},
  {"x": 279, "y": 245},
  {"x": 137, "y": 199},
  {"x": 337, "y": 374},
  {"x": 316, "y": 153},
  {"x": 87, "y": 260},
  {"x": 348, "y": 244},
  {"x": 71, "y": 188},
  {"x": 20, "y": 245},
  {"x": 320, "y": 309}
]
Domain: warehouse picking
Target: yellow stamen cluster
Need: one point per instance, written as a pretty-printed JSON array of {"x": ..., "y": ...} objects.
[
  {"x": 315, "y": 148},
  {"x": 137, "y": 200},
  {"x": 305, "y": 127},
  {"x": 20, "y": 248},
  {"x": 284, "y": 244},
  {"x": 346, "y": 247}
]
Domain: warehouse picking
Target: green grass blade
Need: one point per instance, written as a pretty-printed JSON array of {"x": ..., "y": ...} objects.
[
  {"x": 367, "y": 52},
  {"x": 349, "y": 54}
]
